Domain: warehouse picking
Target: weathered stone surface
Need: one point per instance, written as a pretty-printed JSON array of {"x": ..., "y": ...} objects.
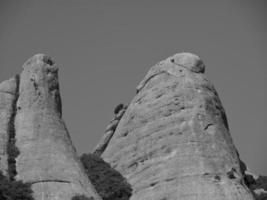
[
  {"x": 47, "y": 157},
  {"x": 7, "y": 97},
  {"x": 173, "y": 141}
]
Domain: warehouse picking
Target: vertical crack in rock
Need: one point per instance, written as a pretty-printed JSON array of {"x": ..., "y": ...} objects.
[{"x": 12, "y": 150}]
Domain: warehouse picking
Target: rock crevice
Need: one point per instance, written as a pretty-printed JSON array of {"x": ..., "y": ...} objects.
[{"x": 12, "y": 150}]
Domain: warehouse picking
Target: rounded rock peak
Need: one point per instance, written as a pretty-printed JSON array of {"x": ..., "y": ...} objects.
[
  {"x": 40, "y": 59},
  {"x": 9, "y": 86},
  {"x": 190, "y": 61}
]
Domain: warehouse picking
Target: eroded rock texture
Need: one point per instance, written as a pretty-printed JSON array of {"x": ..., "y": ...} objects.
[
  {"x": 173, "y": 141},
  {"x": 47, "y": 158}
]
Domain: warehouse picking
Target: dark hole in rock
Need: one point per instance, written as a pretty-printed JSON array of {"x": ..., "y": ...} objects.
[
  {"x": 153, "y": 184},
  {"x": 171, "y": 133},
  {"x": 48, "y": 60},
  {"x": 231, "y": 174},
  {"x": 124, "y": 134},
  {"x": 217, "y": 177}
]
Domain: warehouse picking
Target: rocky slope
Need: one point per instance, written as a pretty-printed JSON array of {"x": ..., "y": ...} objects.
[
  {"x": 41, "y": 152},
  {"x": 173, "y": 141}
]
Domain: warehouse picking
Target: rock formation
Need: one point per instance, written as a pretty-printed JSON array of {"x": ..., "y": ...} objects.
[
  {"x": 7, "y": 97},
  {"x": 44, "y": 155},
  {"x": 173, "y": 141},
  {"x": 102, "y": 144}
]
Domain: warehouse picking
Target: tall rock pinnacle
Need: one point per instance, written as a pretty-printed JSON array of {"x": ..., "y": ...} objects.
[
  {"x": 47, "y": 158},
  {"x": 7, "y": 98},
  {"x": 173, "y": 141}
]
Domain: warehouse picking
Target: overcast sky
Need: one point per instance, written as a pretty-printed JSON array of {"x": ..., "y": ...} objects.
[{"x": 104, "y": 48}]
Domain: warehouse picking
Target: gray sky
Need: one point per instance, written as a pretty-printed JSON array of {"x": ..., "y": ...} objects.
[{"x": 104, "y": 48}]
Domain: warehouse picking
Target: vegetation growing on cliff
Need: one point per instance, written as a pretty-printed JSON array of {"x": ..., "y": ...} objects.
[
  {"x": 109, "y": 183},
  {"x": 14, "y": 190}
]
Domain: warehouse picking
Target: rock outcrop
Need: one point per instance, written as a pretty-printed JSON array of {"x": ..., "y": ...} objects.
[
  {"x": 7, "y": 98},
  {"x": 45, "y": 156},
  {"x": 173, "y": 141},
  {"x": 110, "y": 129}
]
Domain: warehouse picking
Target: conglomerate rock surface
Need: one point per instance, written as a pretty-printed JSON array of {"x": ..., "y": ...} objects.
[
  {"x": 173, "y": 141},
  {"x": 47, "y": 159}
]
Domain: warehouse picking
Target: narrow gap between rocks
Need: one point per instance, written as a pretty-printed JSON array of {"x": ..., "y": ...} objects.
[{"x": 12, "y": 150}]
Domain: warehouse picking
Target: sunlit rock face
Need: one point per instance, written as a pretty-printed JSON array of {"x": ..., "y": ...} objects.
[
  {"x": 173, "y": 141},
  {"x": 47, "y": 159}
]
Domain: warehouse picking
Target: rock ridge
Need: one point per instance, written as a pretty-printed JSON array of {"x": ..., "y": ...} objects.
[{"x": 110, "y": 129}]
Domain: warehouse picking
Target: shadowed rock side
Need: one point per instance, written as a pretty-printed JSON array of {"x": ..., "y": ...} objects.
[
  {"x": 173, "y": 141},
  {"x": 7, "y": 97},
  {"x": 47, "y": 158}
]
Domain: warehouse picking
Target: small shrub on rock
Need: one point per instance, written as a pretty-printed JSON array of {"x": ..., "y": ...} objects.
[
  {"x": 14, "y": 190},
  {"x": 108, "y": 182}
]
